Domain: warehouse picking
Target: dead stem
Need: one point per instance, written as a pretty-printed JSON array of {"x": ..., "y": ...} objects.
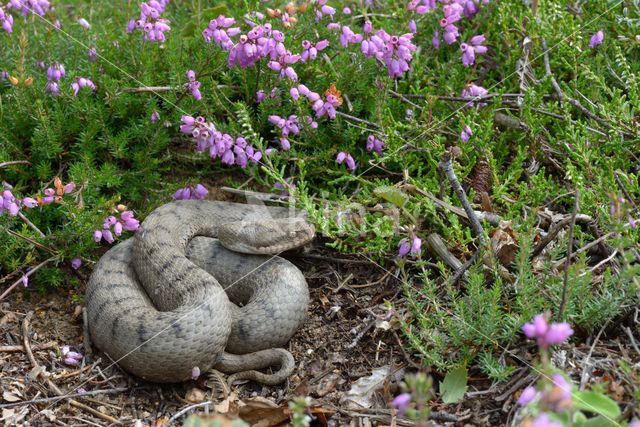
[{"x": 565, "y": 280}]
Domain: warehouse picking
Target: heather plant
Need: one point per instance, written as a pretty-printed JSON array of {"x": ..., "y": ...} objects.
[{"x": 346, "y": 107}]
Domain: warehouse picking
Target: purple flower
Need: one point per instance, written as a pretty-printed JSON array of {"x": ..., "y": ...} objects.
[
  {"x": 6, "y": 20},
  {"x": 71, "y": 358},
  {"x": 195, "y": 373},
  {"x": 125, "y": 222},
  {"x": 84, "y": 23},
  {"x": 466, "y": 134},
  {"x": 283, "y": 63},
  {"x": 310, "y": 50},
  {"x": 29, "y": 202},
  {"x": 435, "y": 40},
  {"x": 25, "y": 280},
  {"x": 401, "y": 402},
  {"x": 413, "y": 27},
  {"x": 375, "y": 144},
  {"x": 543, "y": 420},
  {"x": 150, "y": 21},
  {"x": 220, "y": 33},
  {"x": 421, "y": 6},
  {"x": 39, "y": 7},
  {"x": 469, "y": 50},
  {"x": 545, "y": 334},
  {"x": 474, "y": 91},
  {"x": 76, "y": 263},
  {"x": 199, "y": 192},
  {"x": 155, "y": 116},
  {"x": 55, "y": 72},
  {"x": 596, "y": 39},
  {"x": 9, "y": 203},
  {"x": 347, "y": 159},
  {"x": 527, "y": 396},
  {"x": 260, "y": 96},
  {"x": 411, "y": 247},
  {"x": 80, "y": 83},
  {"x": 193, "y": 85},
  {"x": 93, "y": 54},
  {"x": 634, "y": 423}
]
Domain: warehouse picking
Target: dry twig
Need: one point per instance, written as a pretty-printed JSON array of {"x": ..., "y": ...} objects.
[
  {"x": 447, "y": 167},
  {"x": 54, "y": 388}
]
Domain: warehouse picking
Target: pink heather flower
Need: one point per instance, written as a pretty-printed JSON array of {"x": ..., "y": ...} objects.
[
  {"x": 76, "y": 263},
  {"x": 283, "y": 63},
  {"x": 6, "y": 20},
  {"x": 150, "y": 21},
  {"x": 195, "y": 373},
  {"x": 220, "y": 31},
  {"x": 409, "y": 247},
  {"x": 155, "y": 116},
  {"x": 310, "y": 50},
  {"x": 9, "y": 203},
  {"x": 634, "y": 423},
  {"x": 39, "y": 7},
  {"x": 71, "y": 358},
  {"x": 346, "y": 158},
  {"x": 260, "y": 96},
  {"x": 473, "y": 91},
  {"x": 25, "y": 280},
  {"x": 29, "y": 202},
  {"x": 346, "y": 10},
  {"x": 401, "y": 402},
  {"x": 220, "y": 145},
  {"x": 55, "y": 72},
  {"x": 199, "y": 192},
  {"x": 375, "y": 144},
  {"x": 469, "y": 50},
  {"x": 466, "y": 134},
  {"x": 413, "y": 27},
  {"x": 435, "y": 40},
  {"x": 596, "y": 39},
  {"x": 52, "y": 88},
  {"x": 545, "y": 334},
  {"x": 421, "y": 6},
  {"x": 84, "y": 23},
  {"x": 125, "y": 222},
  {"x": 193, "y": 85},
  {"x": 543, "y": 420},
  {"x": 93, "y": 54},
  {"x": 527, "y": 396},
  {"x": 80, "y": 83}
]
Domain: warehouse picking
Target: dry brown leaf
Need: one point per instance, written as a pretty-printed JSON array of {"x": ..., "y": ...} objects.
[
  {"x": 261, "y": 412},
  {"x": 504, "y": 243},
  {"x": 11, "y": 397},
  {"x": 195, "y": 395}
]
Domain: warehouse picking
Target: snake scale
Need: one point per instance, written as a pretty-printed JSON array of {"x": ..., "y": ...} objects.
[{"x": 196, "y": 287}]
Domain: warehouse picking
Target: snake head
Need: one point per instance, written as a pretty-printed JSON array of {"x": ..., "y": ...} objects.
[{"x": 267, "y": 236}]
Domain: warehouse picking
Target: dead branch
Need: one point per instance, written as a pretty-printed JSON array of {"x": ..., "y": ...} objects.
[
  {"x": 28, "y": 273},
  {"x": 446, "y": 166},
  {"x": 565, "y": 280}
]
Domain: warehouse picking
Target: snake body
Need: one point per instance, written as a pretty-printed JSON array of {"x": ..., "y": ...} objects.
[{"x": 157, "y": 305}]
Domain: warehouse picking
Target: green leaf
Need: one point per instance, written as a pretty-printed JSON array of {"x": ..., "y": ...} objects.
[
  {"x": 454, "y": 386},
  {"x": 392, "y": 194},
  {"x": 213, "y": 12},
  {"x": 596, "y": 402},
  {"x": 599, "y": 421},
  {"x": 188, "y": 29}
]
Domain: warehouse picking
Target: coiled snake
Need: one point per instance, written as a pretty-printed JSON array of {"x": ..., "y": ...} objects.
[{"x": 160, "y": 303}]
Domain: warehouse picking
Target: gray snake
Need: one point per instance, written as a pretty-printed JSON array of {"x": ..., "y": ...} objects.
[{"x": 167, "y": 300}]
